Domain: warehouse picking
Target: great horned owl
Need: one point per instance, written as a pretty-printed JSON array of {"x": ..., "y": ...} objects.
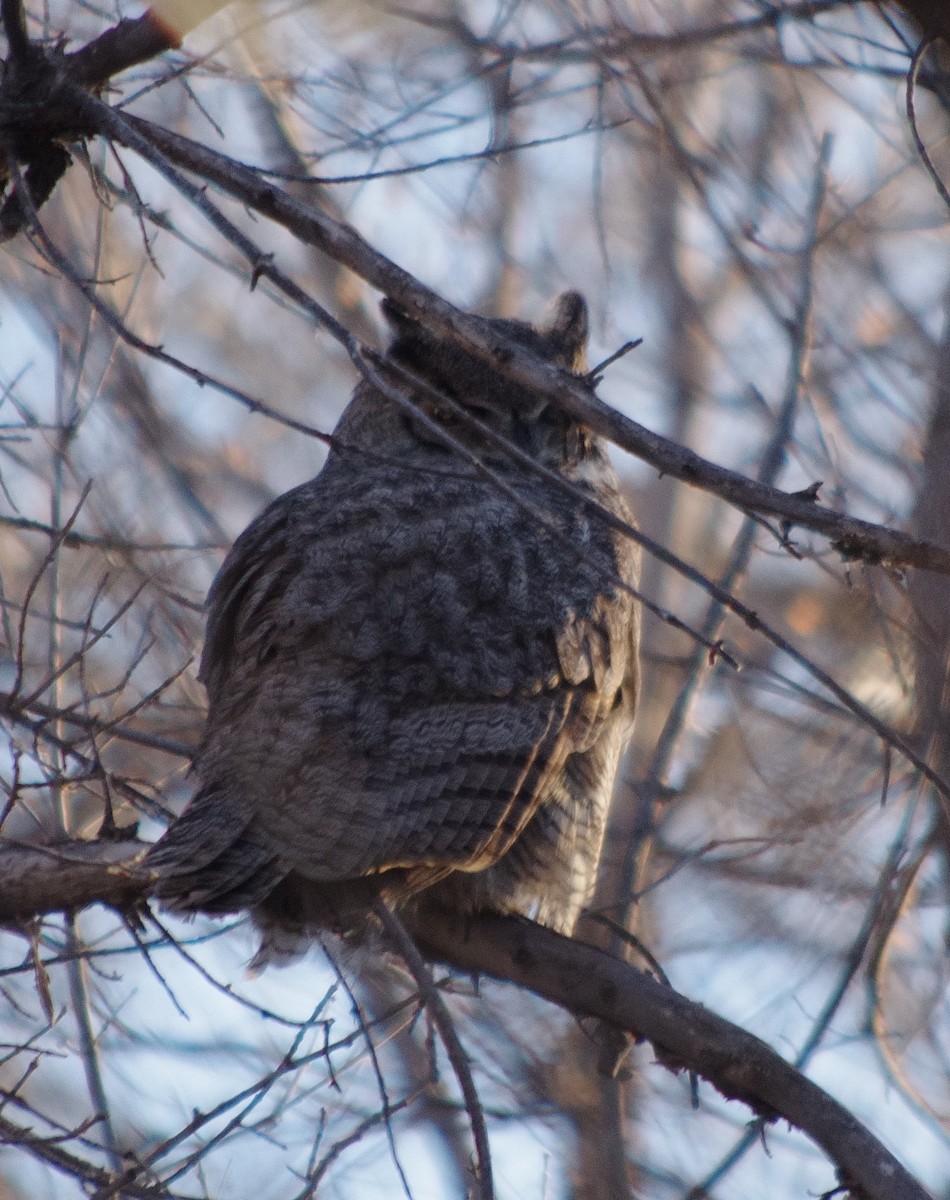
[{"x": 419, "y": 682}]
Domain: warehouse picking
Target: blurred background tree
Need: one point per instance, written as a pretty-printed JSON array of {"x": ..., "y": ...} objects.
[{"x": 754, "y": 189}]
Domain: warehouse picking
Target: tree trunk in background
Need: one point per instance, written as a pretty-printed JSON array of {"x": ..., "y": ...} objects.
[{"x": 929, "y": 592}]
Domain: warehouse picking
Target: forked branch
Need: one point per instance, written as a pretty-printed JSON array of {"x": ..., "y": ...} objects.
[{"x": 576, "y": 977}]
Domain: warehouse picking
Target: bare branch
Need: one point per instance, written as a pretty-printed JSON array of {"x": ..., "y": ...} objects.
[
  {"x": 126, "y": 44},
  {"x": 442, "y": 1020},
  {"x": 852, "y": 537},
  {"x": 68, "y": 876},
  {"x": 685, "y": 1035},
  {"x": 578, "y": 977}
]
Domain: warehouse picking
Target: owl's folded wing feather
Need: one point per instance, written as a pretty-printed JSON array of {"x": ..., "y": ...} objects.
[{"x": 376, "y": 703}]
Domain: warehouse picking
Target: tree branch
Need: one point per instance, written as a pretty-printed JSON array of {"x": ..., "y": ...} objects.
[
  {"x": 442, "y": 1019},
  {"x": 579, "y": 978},
  {"x": 684, "y": 1034},
  {"x": 130, "y": 42},
  {"x": 932, "y": 16},
  {"x": 852, "y": 537},
  {"x": 66, "y": 876},
  {"x": 13, "y": 20},
  {"x": 61, "y": 99}
]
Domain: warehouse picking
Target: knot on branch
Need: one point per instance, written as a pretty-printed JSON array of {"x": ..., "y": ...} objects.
[
  {"x": 41, "y": 104},
  {"x": 36, "y": 118},
  {"x": 853, "y": 548}
]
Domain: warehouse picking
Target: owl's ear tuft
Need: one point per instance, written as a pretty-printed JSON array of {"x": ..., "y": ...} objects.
[{"x": 569, "y": 329}]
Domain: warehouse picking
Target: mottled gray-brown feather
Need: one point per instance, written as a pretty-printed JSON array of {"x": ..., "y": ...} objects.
[{"x": 417, "y": 683}]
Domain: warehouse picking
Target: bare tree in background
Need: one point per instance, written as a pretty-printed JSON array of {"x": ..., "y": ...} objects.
[{"x": 196, "y": 238}]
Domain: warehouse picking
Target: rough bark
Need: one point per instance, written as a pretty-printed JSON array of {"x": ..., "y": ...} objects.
[{"x": 579, "y": 978}]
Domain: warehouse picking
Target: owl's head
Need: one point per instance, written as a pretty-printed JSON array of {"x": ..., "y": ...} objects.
[
  {"x": 450, "y": 378},
  {"x": 563, "y": 342}
]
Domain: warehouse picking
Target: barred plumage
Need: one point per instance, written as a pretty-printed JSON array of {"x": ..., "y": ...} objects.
[{"x": 419, "y": 683}]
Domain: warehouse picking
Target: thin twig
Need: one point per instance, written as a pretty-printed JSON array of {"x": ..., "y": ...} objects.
[
  {"x": 572, "y": 394},
  {"x": 442, "y": 1020},
  {"x": 853, "y": 537},
  {"x": 13, "y": 18},
  {"x": 387, "y": 1107},
  {"x": 912, "y": 76},
  {"x": 88, "y": 1045},
  {"x": 586, "y": 980},
  {"x": 654, "y": 778}
]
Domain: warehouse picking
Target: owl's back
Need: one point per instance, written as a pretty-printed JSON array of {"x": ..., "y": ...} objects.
[{"x": 419, "y": 684}]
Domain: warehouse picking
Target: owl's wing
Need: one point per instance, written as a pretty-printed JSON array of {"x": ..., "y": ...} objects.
[
  {"x": 205, "y": 859},
  {"x": 460, "y": 783},
  {"x": 259, "y": 568},
  {"x": 394, "y": 683}
]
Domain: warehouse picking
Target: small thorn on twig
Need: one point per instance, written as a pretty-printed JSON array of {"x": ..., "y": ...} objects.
[
  {"x": 785, "y": 527},
  {"x": 717, "y": 652},
  {"x": 842, "y": 1190},
  {"x": 260, "y": 266},
  {"x": 595, "y": 375}
]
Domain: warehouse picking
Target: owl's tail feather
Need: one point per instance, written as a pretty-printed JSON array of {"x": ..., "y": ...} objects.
[
  {"x": 298, "y": 910},
  {"x": 209, "y": 863}
]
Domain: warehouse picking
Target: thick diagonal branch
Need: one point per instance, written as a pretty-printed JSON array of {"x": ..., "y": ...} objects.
[
  {"x": 854, "y": 538},
  {"x": 581, "y": 979}
]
